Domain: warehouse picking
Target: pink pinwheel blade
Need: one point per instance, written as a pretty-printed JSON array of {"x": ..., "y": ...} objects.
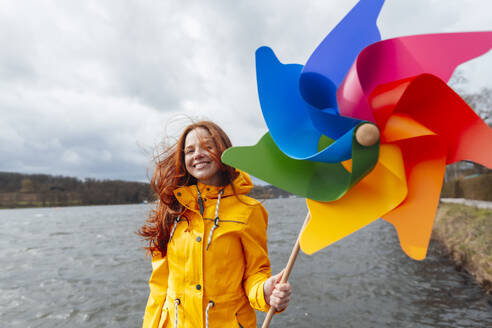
[{"x": 400, "y": 58}]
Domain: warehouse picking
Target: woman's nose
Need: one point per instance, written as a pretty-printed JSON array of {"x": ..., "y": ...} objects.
[{"x": 200, "y": 152}]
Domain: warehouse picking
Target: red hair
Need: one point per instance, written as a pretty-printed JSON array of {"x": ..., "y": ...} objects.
[{"x": 170, "y": 173}]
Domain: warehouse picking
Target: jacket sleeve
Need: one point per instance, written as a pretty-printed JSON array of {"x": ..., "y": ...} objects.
[
  {"x": 158, "y": 291},
  {"x": 254, "y": 241}
]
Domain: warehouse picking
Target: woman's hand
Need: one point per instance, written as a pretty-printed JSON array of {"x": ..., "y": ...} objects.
[{"x": 277, "y": 294}]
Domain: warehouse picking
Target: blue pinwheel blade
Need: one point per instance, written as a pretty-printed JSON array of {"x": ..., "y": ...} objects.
[
  {"x": 330, "y": 62},
  {"x": 287, "y": 114},
  {"x": 340, "y": 150},
  {"x": 330, "y": 123},
  {"x": 283, "y": 108}
]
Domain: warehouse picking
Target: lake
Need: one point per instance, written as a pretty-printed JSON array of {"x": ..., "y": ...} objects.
[{"x": 85, "y": 267}]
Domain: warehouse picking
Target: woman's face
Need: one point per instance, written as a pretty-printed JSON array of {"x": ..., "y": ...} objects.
[{"x": 198, "y": 161}]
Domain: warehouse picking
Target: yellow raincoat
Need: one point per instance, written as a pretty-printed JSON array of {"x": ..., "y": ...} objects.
[{"x": 221, "y": 284}]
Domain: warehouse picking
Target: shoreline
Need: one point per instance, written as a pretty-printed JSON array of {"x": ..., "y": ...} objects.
[{"x": 465, "y": 232}]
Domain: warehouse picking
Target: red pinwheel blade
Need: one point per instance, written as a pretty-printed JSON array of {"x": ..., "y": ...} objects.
[{"x": 429, "y": 101}]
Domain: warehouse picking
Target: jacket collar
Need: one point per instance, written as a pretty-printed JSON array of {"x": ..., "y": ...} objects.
[{"x": 188, "y": 195}]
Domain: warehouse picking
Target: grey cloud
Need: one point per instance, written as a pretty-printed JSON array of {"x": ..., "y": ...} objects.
[{"x": 87, "y": 87}]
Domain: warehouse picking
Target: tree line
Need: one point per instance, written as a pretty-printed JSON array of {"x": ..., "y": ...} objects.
[
  {"x": 42, "y": 190},
  {"x": 33, "y": 190}
]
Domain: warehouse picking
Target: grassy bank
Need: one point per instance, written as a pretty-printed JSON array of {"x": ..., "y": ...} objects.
[{"x": 466, "y": 232}]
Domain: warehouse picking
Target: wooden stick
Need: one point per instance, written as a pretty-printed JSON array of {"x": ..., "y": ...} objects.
[{"x": 288, "y": 269}]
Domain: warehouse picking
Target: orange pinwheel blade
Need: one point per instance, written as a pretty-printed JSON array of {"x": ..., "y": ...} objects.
[
  {"x": 379, "y": 192},
  {"x": 425, "y": 162},
  {"x": 424, "y": 157}
]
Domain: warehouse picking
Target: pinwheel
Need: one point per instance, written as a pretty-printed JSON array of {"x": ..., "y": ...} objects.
[{"x": 365, "y": 128}]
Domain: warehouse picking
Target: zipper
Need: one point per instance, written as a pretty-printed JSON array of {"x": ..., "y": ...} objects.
[{"x": 200, "y": 200}]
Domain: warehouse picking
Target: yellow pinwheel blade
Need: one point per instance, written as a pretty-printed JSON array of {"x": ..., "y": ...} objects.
[{"x": 379, "y": 192}]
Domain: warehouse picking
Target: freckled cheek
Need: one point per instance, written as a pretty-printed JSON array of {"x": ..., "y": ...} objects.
[{"x": 188, "y": 164}]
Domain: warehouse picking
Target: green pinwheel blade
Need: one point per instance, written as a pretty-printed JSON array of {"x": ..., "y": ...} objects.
[{"x": 314, "y": 180}]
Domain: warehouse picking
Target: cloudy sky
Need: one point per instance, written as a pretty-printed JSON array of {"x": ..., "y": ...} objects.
[{"x": 89, "y": 88}]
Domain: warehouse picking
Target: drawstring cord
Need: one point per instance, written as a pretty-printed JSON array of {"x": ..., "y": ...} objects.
[
  {"x": 200, "y": 204},
  {"x": 209, "y": 305},
  {"x": 176, "y": 303},
  {"x": 216, "y": 221},
  {"x": 176, "y": 221}
]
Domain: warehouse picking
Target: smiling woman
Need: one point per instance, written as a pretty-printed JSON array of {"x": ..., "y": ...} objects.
[{"x": 207, "y": 239}]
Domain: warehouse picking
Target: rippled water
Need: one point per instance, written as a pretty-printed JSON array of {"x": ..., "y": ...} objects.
[{"x": 84, "y": 267}]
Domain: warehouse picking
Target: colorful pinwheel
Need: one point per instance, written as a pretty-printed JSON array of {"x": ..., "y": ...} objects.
[{"x": 354, "y": 80}]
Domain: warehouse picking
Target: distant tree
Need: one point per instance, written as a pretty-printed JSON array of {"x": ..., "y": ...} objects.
[
  {"x": 480, "y": 102},
  {"x": 27, "y": 185},
  {"x": 10, "y": 182}
]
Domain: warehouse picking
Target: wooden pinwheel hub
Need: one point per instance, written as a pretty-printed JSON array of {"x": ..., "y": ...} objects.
[{"x": 367, "y": 134}]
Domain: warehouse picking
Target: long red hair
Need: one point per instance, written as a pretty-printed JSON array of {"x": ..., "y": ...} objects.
[{"x": 170, "y": 173}]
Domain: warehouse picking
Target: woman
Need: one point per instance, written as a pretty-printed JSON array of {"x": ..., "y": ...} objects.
[{"x": 207, "y": 240}]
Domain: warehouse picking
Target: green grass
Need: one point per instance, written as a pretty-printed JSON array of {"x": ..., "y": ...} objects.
[{"x": 467, "y": 233}]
